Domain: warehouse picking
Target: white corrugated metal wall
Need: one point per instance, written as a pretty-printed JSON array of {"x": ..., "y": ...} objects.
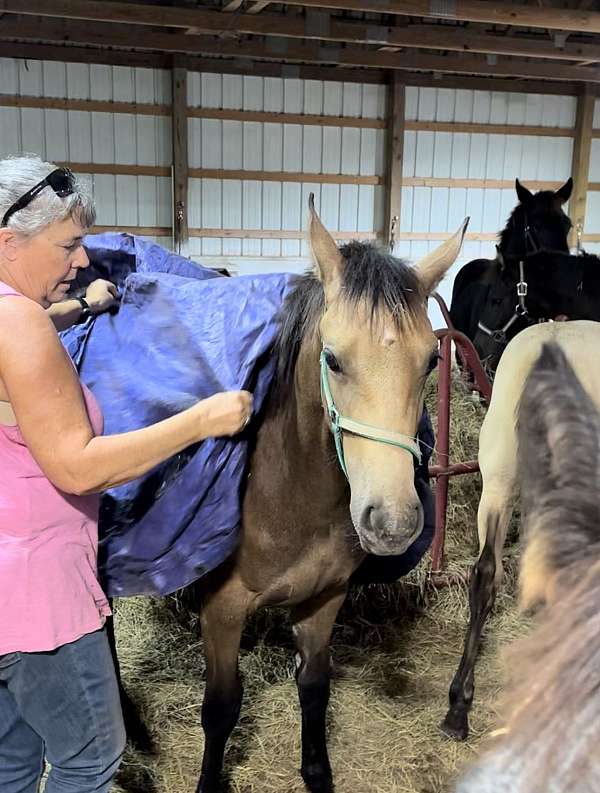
[
  {"x": 276, "y": 147},
  {"x": 100, "y": 138},
  {"x": 139, "y": 139}
]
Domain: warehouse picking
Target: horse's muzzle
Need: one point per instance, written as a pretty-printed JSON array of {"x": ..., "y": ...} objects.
[{"x": 382, "y": 532}]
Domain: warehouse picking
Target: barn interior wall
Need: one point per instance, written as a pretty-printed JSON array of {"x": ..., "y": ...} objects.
[{"x": 427, "y": 209}]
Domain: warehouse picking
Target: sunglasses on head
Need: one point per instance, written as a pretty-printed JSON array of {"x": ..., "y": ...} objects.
[{"x": 61, "y": 181}]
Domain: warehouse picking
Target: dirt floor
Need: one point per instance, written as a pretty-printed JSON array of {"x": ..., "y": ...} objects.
[{"x": 395, "y": 650}]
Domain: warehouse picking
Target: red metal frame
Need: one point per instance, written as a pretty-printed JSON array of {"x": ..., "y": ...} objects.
[{"x": 444, "y": 469}]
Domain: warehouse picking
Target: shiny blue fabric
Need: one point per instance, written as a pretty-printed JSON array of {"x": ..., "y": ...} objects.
[{"x": 182, "y": 333}]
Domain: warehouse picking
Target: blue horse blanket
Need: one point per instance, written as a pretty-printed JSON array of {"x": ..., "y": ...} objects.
[{"x": 181, "y": 333}]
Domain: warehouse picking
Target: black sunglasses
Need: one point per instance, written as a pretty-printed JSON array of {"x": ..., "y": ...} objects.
[{"x": 61, "y": 181}]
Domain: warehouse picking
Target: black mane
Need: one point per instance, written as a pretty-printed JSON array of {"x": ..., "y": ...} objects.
[{"x": 384, "y": 282}]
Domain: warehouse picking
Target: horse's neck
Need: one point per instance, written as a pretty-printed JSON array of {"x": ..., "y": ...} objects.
[{"x": 294, "y": 442}]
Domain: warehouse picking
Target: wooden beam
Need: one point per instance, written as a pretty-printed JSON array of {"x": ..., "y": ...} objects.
[
  {"x": 136, "y": 108},
  {"x": 232, "y": 6},
  {"x": 581, "y": 162},
  {"x": 491, "y": 129},
  {"x": 275, "y": 234},
  {"x": 526, "y": 16},
  {"x": 394, "y": 160},
  {"x": 264, "y": 116},
  {"x": 273, "y": 49},
  {"x": 434, "y": 236},
  {"x": 180, "y": 159},
  {"x": 257, "y": 7},
  {"x": 483, "y": 184},
  {"x": 115, "y": 169},
  {"x": 238, "y": 65},
  {"x": 141, "y": 231},
  {"x": 517, "y": 85},
  {"x": 86, "y": 105},
  {"x": 320, "y": 25},
  {"x": 282, "y": 176}
]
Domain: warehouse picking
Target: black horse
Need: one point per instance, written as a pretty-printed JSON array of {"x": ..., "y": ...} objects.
[{"x": 491, "y": 298}]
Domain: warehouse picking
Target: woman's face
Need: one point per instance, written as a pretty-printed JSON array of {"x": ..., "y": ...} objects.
[{"x": 49, "y": 261}]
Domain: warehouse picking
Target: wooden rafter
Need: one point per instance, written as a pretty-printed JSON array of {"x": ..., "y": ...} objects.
[
  {"x": 319, "y": 25},
  {"x": 561, "y": 19},
  {"x": 257, "y": 7},
  {"x": 51, "y": 52},
  {"x": 281, "y": 50}
]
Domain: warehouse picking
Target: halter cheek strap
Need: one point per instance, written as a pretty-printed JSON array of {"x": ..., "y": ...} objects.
[{"x": 340, "y": 424}]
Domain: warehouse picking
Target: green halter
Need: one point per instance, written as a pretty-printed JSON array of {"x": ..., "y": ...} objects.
[{"x": 339, "y": 424}]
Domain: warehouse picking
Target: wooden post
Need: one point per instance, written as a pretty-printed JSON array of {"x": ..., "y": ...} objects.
[
  {"x": 180, "y": 159},
  {"x": 395, "y": 156},
  {"x": 582, "y": 146}
]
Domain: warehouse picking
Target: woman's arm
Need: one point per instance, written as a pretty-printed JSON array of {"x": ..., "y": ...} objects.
[
  {"x": 45, "y": 394},
  {"x": 65, "y": 313},
  {"x": 100, "y": 296}
]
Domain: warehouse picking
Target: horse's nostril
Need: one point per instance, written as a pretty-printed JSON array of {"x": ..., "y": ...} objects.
[{"x": 369, "y": 516}]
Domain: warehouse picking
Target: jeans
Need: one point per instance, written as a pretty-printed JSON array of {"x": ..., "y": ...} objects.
[{"x": 62, "y": 705}]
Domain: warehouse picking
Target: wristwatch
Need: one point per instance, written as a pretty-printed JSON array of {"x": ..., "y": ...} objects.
[{"x": 86, "y": 311}]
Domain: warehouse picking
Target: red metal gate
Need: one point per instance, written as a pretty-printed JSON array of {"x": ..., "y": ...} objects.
[{"x": 444, "y": 468}]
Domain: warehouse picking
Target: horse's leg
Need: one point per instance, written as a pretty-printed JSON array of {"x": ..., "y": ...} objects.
[
  {"x": 222, "y": 618},
  {"x": 313, "y": 622},
  {"x": 493, "y": 517}
]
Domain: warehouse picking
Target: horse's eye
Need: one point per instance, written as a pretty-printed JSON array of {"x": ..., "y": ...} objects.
[
  {"x": 332, "y": 362},
  {"x": 496, "y": 301},
  {"x": 433, "y": 362}
]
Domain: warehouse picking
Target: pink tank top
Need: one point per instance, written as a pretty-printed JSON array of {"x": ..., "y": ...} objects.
[{"x": 49, "y": 590}]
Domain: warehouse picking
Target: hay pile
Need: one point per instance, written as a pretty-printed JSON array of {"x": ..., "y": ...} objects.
[{"x": 395, "y": 650}]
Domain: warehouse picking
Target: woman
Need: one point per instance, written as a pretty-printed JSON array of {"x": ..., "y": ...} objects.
[{"x": 58, "y": 693}]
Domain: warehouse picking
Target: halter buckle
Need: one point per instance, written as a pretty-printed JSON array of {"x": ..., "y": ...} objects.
[{"x": 522, "y": 289}]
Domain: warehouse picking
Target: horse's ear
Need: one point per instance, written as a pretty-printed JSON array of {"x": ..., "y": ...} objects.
[
  {"x": 326, "y": 253},
  {"x": 433, "y": 267},
  {"x": 564, "y": 192},
  {"x": 524, "y": 195}
]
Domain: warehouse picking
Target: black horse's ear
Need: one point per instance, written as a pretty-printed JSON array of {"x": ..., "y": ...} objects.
[
  {"x": 523, "y": 194},
  {"x": 564, "y": 192}
]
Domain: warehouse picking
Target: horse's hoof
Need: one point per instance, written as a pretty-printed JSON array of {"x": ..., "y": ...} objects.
[
  {"x": 455, "y": 726},
  {"x": 318, "y": 779}
]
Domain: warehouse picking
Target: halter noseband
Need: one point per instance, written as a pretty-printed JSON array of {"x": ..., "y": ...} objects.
[
  {"x": 520, "y": 312},
  {"x": 340, "y": 424}
]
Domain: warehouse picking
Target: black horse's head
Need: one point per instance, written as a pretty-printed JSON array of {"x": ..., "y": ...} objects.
[
  {"x": 502, "y": 313},
  {"x": 538, "y": 222},
  {"x": 521, "y": 292}
]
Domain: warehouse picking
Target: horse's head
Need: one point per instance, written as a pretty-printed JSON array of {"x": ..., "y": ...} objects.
[
  {"x": 377, "y": 351},
  {"x": 503, "y": 313},
  {"x": 522, "y": 292},
  {"x": 538, "y": 222}
]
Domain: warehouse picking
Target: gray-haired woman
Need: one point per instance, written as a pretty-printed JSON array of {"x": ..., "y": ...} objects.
[{"x": 58, "y": 693}]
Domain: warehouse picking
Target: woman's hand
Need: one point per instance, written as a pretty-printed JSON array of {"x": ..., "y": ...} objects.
[
  {"x": 101, "y": 295},
  {"x": 225, "y": 414}
]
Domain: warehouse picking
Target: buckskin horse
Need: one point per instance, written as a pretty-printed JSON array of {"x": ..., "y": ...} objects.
[
  {"x": 550, "y": 726},
  {"x": 331, "y": 477},
  {"x": 503, "y": 479}
]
